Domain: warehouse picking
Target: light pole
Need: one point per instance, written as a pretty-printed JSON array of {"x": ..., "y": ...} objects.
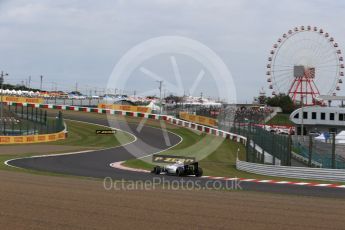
[
  {"x": 2, "y": 75},
  {"x": 160, "y": 95},
  {"x": 41, "y": 82}
]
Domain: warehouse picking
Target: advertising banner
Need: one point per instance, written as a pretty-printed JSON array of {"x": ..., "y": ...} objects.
[
  {"x": 131, "y": 108},
  {"x": 4, "y": 140},
  {"x": 198, "y": 119},
  {"x": 22, "y": 99}
]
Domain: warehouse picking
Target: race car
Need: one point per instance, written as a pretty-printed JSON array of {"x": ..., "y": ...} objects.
[{"x": 179, "y": 169}]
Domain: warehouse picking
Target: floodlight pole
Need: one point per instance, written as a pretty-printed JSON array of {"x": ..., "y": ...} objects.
[
  {"x": 2, "y": 75},
  {"x": 160, "y": 95}
]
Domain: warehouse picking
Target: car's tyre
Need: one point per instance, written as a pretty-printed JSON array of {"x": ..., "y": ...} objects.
[
  {"x": 199, "y": 172},
  {"x": 179, "y": 171},
  {"x": 157, "y": 170}
]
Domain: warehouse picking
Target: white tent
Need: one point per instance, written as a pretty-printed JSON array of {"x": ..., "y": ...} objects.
[
  {"x": 340, "y": 138},
  {"x": 153, "y": 106},
  {"x": 321, "y": 138}
]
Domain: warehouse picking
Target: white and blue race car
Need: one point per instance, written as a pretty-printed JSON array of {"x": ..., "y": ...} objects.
[{"x": 179, "y": 169}]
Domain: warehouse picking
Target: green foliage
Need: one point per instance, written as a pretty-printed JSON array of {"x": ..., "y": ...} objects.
[
  {"x": 19, "y": 87},
  {"x": 283, "y": 101}
]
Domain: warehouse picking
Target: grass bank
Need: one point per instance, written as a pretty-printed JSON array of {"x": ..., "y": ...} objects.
[{"x": 280, "y": 119}]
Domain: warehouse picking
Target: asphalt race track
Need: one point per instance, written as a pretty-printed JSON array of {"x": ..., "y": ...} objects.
[{"x": 149, "y": 140}]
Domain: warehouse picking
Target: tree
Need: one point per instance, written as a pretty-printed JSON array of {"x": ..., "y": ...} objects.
[{"x": 283, "y": 101}]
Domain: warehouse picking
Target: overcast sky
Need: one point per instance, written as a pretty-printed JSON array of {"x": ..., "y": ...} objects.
[{"x": 71, "y": 41}]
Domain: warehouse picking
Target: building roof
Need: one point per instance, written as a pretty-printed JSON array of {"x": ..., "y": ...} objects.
[{"x": 331, "y": 98}]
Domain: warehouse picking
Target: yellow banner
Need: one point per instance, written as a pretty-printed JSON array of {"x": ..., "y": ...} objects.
[
  {"x": 198, "y": 119},
  {"x": 22, "y": 99},
  {"x": 131, "y": 108},
  {"x": 6, "y": 140}
]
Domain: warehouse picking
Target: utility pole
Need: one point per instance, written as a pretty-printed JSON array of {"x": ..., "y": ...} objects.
[
  {"x": 2, "y": 75},
  {"x": 30, "y": 82},
  {"x": 41, "y": 77},
  {"x": 76, "y": 86},
  {"x": 160, "y": 95}
]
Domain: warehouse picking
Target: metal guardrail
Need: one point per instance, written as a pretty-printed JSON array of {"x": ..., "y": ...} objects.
[{"x": 292, "y": 172}]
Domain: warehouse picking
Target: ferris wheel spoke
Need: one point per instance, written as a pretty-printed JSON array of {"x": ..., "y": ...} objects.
[
  {"x": 325, "y": 51},
  {"x": 327, "y": 66},
  {"x": 282, "y": 70},
  {"x": 282, "y": 74},
  {"x": 283, "y": 85},
  {"x": 329, "y": 59},
  {"x": 318, "y": 48},
  {"x": 291, "y": 66}
]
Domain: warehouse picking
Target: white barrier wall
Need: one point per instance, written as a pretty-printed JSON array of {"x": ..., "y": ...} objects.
[{"x": 292, "y": 172}]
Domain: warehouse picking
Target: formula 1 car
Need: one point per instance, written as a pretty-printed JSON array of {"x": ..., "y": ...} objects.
[{"x": 179, "y": 169}]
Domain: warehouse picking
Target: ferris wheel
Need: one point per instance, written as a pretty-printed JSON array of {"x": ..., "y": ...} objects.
[{"x": 304, "y": 63}]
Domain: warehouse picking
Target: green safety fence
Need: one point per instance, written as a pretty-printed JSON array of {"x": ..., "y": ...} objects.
[
  {"x": 20, "y": 120},
  {"x": 323, "y": 159},
  {"x": 279, "y": 146}
]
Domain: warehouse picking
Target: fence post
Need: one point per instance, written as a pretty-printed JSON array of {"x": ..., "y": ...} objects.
[
  {"x": 45, "y": 117},
  {"x": 310, "y": 150},
  {"x": 333, "y": 151},
  {"x": 12, "y": 123},
  {"x": 4, "y": 127},
  {"x": 273, "y": 149},
  {"x": 289, "y": 149},
  {"x": 247, "y": 148}
]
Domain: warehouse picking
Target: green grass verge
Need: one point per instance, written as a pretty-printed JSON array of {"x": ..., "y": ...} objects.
[
  {"x": 221, "y": 162},
  {"x": 280, "y": 119},
  {"x": 84, "y": 134}
]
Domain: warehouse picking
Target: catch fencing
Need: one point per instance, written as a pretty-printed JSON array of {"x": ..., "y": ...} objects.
[
  {"x": 278, "y": 146},
  {"x": 318, "y": 153},
  {"x": 19, "y": 121}
]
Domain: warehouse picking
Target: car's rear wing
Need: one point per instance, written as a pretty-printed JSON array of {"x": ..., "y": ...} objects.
[{"x": 169, "y": 159}]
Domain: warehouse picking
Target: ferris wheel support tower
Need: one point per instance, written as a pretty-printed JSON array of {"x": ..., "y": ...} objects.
[{"x": 303, "y": 88}]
